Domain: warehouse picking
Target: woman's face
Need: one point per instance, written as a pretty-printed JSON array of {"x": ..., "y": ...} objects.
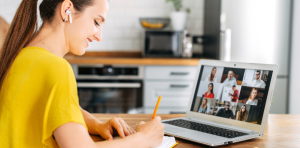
[
  {"x": 204, "y": 101},
  {"x": 253, "y": 93},
  {"x": 210, "y": 87},
  {"x": 86, "y": 27},
  {"x": 214, "y": 71},
  {"x": 243, "y": 108}
]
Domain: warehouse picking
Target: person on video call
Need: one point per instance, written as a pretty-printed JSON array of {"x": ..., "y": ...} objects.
[
  {"x": 212, "y": 76},
  {"x": 241, "y": 115},
  {"x": 235, "y": 94},
  {"x": 210, "y": 92},
  {"x": 252, "y": 97},
  {"x": 225, "y": 112},
  {"x": 203, "y": 107},
  {"x": 231, "y": 80},
  {"x": 258, "y": 82}
]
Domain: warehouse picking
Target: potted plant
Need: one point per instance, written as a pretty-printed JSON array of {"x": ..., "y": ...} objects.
[{"x": 178, "y": 17}]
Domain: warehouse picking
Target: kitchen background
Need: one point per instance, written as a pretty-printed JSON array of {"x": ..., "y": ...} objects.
[
  {"x": 262, "y": 31},
  {"x": 122, "y": 30}
]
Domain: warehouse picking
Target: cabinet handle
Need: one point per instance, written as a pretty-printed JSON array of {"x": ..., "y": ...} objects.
[
  {"x": 179, "y": 73},
  {"x": 178, "y": 86},
  {"x": 175, "y": 112},
  {"x": 108, "y": 85}
]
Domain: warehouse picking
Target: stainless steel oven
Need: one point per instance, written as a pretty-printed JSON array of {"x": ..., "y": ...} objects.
[{"x": 110, "y": 88}]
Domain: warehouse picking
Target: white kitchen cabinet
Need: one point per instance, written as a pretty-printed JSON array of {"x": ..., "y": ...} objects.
[
  {"x": 165, "y": 110},
  {"x": 174, "y": 93},
  {"x": 173, "y": 83},
  {"x": 170, "y": 72}
]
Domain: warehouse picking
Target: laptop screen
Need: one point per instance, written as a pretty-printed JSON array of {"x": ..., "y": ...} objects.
[{"x": 232, "y": 93}]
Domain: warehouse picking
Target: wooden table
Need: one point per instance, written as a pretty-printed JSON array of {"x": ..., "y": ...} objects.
[{"x": 282, "y": 131}]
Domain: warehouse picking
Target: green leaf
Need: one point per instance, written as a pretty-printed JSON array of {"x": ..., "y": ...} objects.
[
  {"x": 178, "y": 5},
  {"x": 188, "y": 10}
]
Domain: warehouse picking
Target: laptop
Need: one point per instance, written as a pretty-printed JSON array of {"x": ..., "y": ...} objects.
[{"x": 230, "y": 103}]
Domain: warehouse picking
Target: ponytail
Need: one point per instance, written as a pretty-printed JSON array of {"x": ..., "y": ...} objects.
[
  {"x": 22, "y": 30},
  {"x": 24, "y": 27}
]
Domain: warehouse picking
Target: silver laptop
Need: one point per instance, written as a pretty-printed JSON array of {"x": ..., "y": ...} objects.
[{"x": 230, "y": 103}]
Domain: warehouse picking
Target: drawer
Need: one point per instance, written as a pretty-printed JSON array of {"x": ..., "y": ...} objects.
[
  {"x": 166, "y": 110},
  {"x": 171, "y": 72},
  {"x": 174, "y": 93}
]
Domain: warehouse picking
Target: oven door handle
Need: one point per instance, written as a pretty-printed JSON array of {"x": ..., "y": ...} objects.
[
  {"x": 108, "y": 85},
  {"x": 178, "y": 86},
  {"x": 179, "y": 73}
]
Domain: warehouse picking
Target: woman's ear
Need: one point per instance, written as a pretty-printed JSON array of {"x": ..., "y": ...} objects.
[{"x": 66, "y": 5}]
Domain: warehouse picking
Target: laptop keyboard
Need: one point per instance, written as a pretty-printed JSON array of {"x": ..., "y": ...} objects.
[{"x": 205, "y": 128}]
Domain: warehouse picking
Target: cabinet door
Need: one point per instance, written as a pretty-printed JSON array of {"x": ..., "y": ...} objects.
[
  {"x": 166, "y": 110},
  {"x": 174, "y": 93},
  {"x": 170, "y": 72}
]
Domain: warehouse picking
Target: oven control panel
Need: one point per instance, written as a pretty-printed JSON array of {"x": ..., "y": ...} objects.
[{"x": 108, "y": 71}]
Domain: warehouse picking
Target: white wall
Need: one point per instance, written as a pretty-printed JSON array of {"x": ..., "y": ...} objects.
[
  {"x": 294, "y": 101},
  {"x": 122, "y": 31}
]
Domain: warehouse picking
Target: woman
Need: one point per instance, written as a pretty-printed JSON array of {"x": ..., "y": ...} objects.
[
  {"x": 203, "y": 107},
  {"x": 210, "y": 92},
  {"x": 252, "y": 97},
  {"x": 38, "y": 96},
  {"x": 212, "y": 76},
  {"x": 241, "y": 115}
]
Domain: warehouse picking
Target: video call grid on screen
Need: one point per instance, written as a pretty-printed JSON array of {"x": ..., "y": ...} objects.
[{"x": 233, "y": 93}]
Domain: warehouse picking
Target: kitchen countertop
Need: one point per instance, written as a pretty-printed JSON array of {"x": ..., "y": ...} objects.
[{"x": 128, "y": 58}]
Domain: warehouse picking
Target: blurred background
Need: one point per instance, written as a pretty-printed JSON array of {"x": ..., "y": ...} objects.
[{"x": 255, "y": 31}]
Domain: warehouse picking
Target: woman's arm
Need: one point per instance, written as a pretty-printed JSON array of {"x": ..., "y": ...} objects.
[
  {"x": 91, "y": 122},
  {"x": 106, "y": 130},
  {"x": 75, "y": 135}
]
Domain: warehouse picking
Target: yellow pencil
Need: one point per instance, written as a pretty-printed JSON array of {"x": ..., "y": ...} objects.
[{"x": 157, "y": 104}]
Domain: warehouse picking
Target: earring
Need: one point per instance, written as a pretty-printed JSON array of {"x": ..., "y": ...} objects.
[{"x": 65, "y": 20}]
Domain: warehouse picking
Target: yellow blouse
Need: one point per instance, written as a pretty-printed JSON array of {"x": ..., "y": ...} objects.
[{"x": 38, "y": 95}]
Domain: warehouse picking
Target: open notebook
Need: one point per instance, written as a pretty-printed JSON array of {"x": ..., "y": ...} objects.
[{"x": 168, "y": 142}]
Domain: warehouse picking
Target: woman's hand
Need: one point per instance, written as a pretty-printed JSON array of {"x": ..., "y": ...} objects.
[
  {"x": 153, "y": 131},
  {"x": 115, "y": 126}
]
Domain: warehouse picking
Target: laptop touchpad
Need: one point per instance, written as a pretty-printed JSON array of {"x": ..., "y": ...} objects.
[{"x": 172, "y": 129}]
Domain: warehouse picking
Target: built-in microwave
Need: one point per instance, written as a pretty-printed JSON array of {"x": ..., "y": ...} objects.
[{"x": 167, "y": 43}]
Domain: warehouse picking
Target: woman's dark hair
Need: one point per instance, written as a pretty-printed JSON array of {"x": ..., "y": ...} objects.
[
  {"x": 202, "y": 105},
  {"x": 24, "y": 27},
  {"x": 212, "y": 85},
  {"x": 211, "y": 78},
  {"x": 242, "y": 114}
]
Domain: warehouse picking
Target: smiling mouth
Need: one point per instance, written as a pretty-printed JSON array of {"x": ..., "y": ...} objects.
[{"x": 87, "y": 41}]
